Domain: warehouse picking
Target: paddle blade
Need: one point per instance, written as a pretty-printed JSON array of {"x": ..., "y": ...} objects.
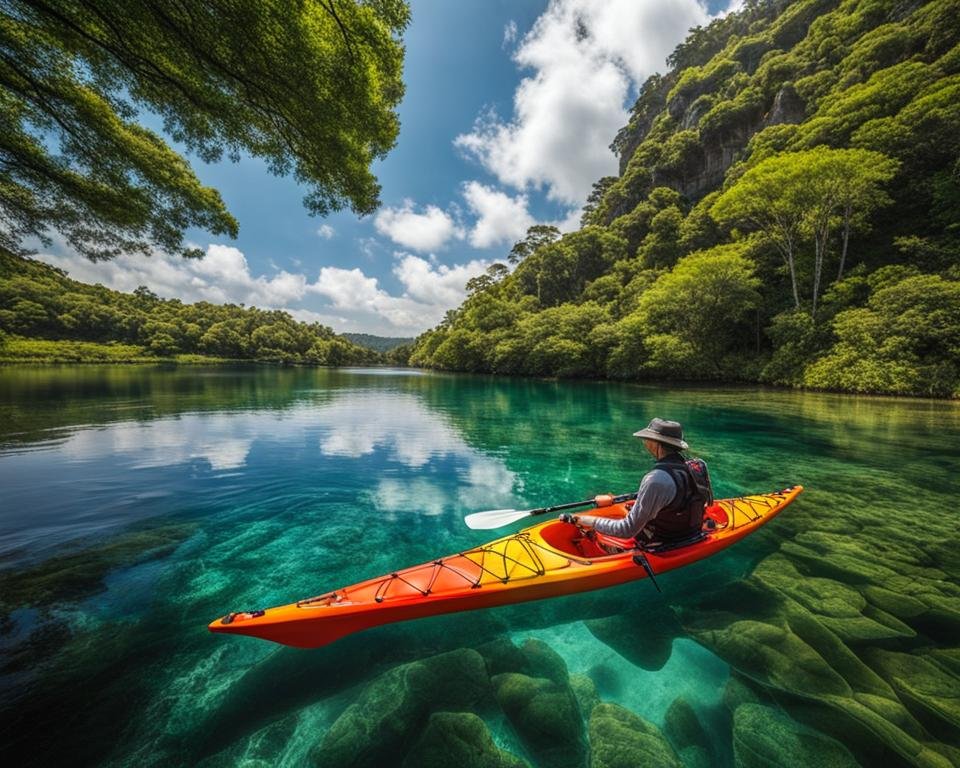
[{"x": 495, "y": 518}]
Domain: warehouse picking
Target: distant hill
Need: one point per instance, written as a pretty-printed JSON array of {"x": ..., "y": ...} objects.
[{"x": 377, "y": 343}]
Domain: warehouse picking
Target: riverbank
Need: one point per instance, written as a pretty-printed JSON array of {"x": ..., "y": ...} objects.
[
  {"x": 21, "y": 351},
  {"x": 17, "y": 350}
]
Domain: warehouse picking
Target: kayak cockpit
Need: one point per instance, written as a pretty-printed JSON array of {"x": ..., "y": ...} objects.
[
  {"x": 571, "y": 540},
  {"x": 567, "y": 538}
]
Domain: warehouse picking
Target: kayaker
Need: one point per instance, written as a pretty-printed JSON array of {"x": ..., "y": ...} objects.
[{"x": 672, "y": 496}]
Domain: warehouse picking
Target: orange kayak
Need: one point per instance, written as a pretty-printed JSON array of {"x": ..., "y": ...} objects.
[{"x": 546, "y": 560}]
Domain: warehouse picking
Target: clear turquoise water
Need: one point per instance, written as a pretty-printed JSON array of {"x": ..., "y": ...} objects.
[{"x": 137, "y": 504}]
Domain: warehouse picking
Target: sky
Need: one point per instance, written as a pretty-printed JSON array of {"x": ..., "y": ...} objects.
[{"x": 509, "y": 111}]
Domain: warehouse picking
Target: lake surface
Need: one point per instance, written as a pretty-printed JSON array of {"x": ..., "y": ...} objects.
[{"x": 137, "y": 504}]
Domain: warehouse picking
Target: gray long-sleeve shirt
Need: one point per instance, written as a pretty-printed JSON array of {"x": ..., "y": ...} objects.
[{"x": 657, "y": 490}]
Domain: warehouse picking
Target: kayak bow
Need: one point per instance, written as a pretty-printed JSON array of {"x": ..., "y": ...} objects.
[{"x": 549, "y": 559}]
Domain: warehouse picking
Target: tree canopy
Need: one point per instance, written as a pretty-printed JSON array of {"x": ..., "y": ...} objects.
[
  {"x": 804, "y": 196},
  {"x": 38, "y": 301},
  {"x": 310, "y": 87}
]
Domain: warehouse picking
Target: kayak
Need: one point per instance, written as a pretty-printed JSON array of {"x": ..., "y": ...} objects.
[{"x": 549, "y": 559}]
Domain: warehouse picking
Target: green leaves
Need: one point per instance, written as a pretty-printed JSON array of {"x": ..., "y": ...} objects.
[
  {"x": 309, "y": 87},
  {"x": 798, "y": 199},
  {"x": 906, "y": 340}
]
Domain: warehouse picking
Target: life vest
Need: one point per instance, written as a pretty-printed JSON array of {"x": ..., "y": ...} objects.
[{"x": 683, "y": 516}]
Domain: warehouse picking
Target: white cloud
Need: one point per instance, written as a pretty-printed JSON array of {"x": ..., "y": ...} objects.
[
  {"x": 357, "y": 302},
  {"x": 425, "y": 231},
  {"x": 430, "y": 289},
  {"x": 326, "y": 231},
  {"x": 346, "y": 287},
  {"x": 501, "y": 218},
  {"x": 435, "y": 284},
  {"x": 509, "y": 33},
  {"x": 222, "y": 276},
  {"x": 586, "y": 55}
]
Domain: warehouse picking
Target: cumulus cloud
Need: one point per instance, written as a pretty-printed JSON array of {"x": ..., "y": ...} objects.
[
  {"x": 430, "y": 289},
  {"x": 222, "y": 276},
  {"x": 586, "y": 56},
  {"x": 426, "y": 231},
  {"x": 500, "y": 217},
  {"x": 326, "y": 231},
  {"x": 435, "y": 284},
  {"x": 355, "y": 301}
]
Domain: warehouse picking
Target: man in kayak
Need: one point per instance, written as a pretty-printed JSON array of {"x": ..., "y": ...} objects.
[{"x": 672, "y": 495}]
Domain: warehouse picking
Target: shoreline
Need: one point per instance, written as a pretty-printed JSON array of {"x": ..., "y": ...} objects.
[{"x": 193, "y": 359}]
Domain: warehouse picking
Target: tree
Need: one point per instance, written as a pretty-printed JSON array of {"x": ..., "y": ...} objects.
[
  {"x": 800, "y": 195},
  {"x": 842, "y": 188},
  {"x": 594, "y": 199},
  {"x": 767, "y": 199},
  {"x": 699, "y": 308},
  {"x": 537, "y": 236},
  {"x": 493, "y": 275},
  {"x": 906, "y": 340},
  {"x": 309, "y": 87}
]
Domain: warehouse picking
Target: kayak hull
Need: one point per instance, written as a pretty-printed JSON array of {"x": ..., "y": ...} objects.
[{"x": 550, "y": 559}]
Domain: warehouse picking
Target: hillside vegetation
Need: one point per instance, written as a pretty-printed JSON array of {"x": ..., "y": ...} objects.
[
  {"x": 787, "y": 211},
  {"x": 47, "y": 317},
  {"x": 378, "y": 343}
]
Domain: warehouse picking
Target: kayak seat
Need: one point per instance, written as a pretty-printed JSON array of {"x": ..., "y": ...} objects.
[{"x": 567, "y": 538}]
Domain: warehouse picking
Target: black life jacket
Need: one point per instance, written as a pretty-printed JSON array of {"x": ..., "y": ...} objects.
[{"x": 683, "y": 516}]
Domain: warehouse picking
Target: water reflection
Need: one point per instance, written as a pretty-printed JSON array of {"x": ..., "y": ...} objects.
[{"x": 398, "y": 453}]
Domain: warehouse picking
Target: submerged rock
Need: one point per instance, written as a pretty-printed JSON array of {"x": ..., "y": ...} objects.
[
  {"x": 837, "y": 606},
  {"x": 621, "y": 739},
  {"x": 766, "y": 738},
  {"x": 738, "y": 691},
  {"x": 643, "y": 637},
  {"x": 80, "y": 573},
  {"x": 459, "y": 739},
  {"x": 780, "y": 645},
  {"x": 543, "y": 661},
  {"x": 534, "y": 658},
  {"x": 546, "y": 716},
  {"x": 502, "y": 655},
  {"x": 683, "y": 730},
  {"x": 389, "y": 712},
  {"x": 585, "y": 693},
  {"x": 263, "y": 748},
  {"x": 929, "y": 689}
]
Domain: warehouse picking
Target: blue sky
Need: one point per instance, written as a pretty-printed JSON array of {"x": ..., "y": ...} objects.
[{"x": 506, "y": 121}]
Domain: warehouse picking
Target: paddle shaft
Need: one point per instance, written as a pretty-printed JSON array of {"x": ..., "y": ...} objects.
[
  {"x": 575, "y": 504},
  {"x": 497, "y": 518}
]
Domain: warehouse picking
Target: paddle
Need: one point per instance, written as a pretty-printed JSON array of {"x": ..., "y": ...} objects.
[{"x": 496, "y": 518}]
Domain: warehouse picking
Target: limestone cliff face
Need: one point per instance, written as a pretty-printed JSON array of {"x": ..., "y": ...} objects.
[
  {"x": 719, "y": 148},
  {"x": 787, "y": 107}
]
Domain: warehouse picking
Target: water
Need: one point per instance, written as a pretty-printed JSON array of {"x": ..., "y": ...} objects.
[{"x": 137, "y": 504}]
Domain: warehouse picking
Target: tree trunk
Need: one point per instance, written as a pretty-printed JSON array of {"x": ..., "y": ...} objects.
[
  {"x": 820, "y": 247},
  {"x": 846, "y": 238},
  {"x": 793, "y": 280}
]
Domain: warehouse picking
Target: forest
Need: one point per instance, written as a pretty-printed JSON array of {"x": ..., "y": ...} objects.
[
  {"x": 787, "y": 211},
  {"x": 47, "y": 317}
]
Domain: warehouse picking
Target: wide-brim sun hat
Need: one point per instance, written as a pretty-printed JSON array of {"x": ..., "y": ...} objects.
[{"x": 663, "y": 431}]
